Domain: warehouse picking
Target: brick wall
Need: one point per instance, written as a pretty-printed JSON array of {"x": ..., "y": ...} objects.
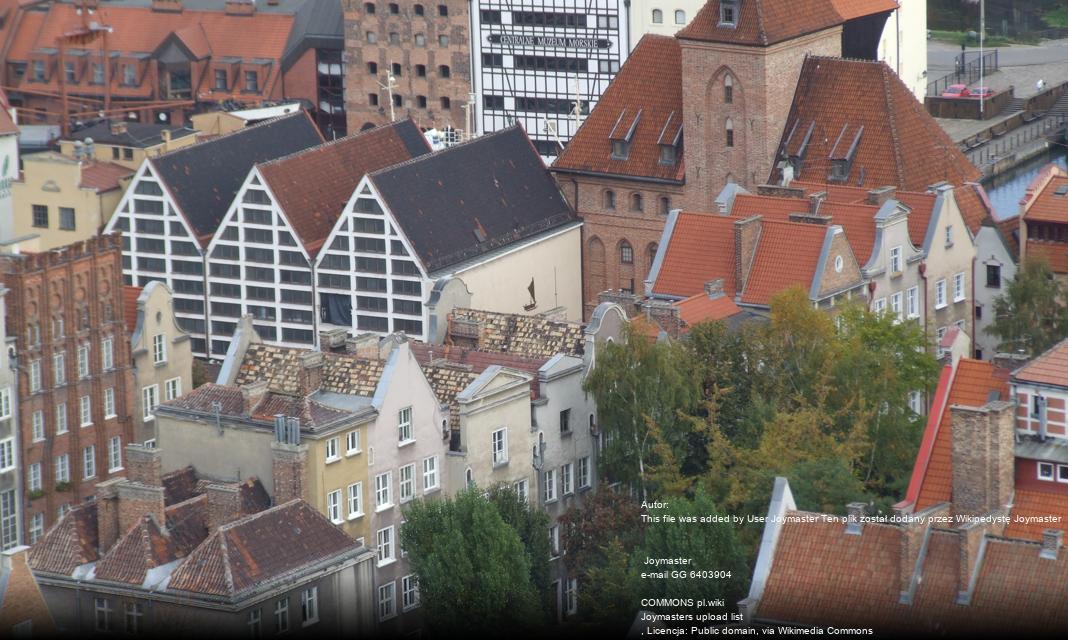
[
  {"x": 80, "y": 281},
  {"x": 288, "y": 466},
  {"x": 983, "y": 454},
  {"x": 360, "y": 82},
  {"x": 849, "y": 277}
]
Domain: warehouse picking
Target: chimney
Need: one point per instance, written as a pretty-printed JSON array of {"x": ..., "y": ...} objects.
[
  {"x": 983, "y": 457},
  {"x": 746, "y": 236},
  {"x": 224, "y": 504},
  {"x": 914, "y": 531},
  {"x": 777, "y": 191},
  {"x": 311, "y": 372},
  {"x": 289, "y": 461},
  {"x": 107, "y": 513},
  {"x": 664, "y": 315},
  {"x": 714, "y": 289},
  {"x": 854, "y": 512},
  {"x": 878, "y": 197},
  {"x": 166, "y": 136},
  {"x": 363, "y": 346},
  {"x": 1051, "y": 543},
  {"x": 171, "y": 6},
  {"x": 118, "y": 127},
  {"x": 815, "y": 199},
  {"x": 240, "y": 7},
  {"x": 143, "y": 465},
  {"x": 251, "y": 394}
]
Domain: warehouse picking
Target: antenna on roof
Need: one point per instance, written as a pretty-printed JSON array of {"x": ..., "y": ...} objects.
[
  {"x": 391, "y": 82},
  {"x": 577, "y": 111}
]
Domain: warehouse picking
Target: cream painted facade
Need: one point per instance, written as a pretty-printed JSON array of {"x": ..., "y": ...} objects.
[
  {"x": 54, "y": 181},
  {"x": 127, "y": 156},
  {"x": 162, "y": 356},
  {"x": 660, "y": 17},
  {"x": 950, "y": 256},
  {"x": 903, "y": 46},
  {"x": 994, "y": 270},
  {"x": 554, "y": 262}
]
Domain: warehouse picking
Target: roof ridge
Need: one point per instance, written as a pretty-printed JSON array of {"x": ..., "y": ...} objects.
[
  {"x": 240, "y": 521},
  {"x": 331, "y": 143},
  {"x": 228, "y": 574},
  {"x": 228, "y": 134},
  {"x": 436, "y": 154}
]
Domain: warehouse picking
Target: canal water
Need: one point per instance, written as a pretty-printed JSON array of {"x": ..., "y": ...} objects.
[{"x": 1006, "y": 189}]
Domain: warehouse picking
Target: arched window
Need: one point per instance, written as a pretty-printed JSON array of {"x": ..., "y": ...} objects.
[
  {"x": 658, "y": 16},
  {"x": 418, "y": 9},
  {"x": 626, "y": 253},
  {"x": 446, "y": 104},
  {"x": 636, "y": 202},
  {"x": 728, "y": 89},
  {"x": 680, "y": 17},
  {"x": 470, "y": 477},
  {"x": 730, "y": 132},
  {"x": 369, "y": 8},
  {"x": 609, "y": 199},
  {"x": 443, "y": 71},
  {"x": 665, "y": 205},
  {"x": 443, "y": 10}
]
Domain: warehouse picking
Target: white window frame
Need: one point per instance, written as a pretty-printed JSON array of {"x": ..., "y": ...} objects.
[
  {"x": 33, "y": 477},
  {"x": 333, "y": 449},
  {"x": 521, "y": 490},
  {"x": 352, "y": 442},
  {"x": 333, "y": 506},
  {"x": 384, "y": 539},
  {"x": 149, "y": 401},
  {"x": 159, "y": 349},
  {"x": 355, "y": 498},
  {"x": 109, "y": 403},
  {"x": 554, "y": 541},
  {"x": 387, "y": 601},
  {"x": 571, "y": 596},
  {"x": 1062, "y": 473},
  {"x": 133, "y": 617},
  {"x": 7, "y": 454},
  {"x": 567, "y": 479},
  {"x": 897, "y": 305},
  {"x": 36, "y": 527},
  {"x": 550, "y": 486},
  {"x": 912, "y": 302},
  {"x": 107, "y": 353},
  {"x": 309, "y": 606},
  {"x": 405, "y": 434},
  {"x": 85, "y": 411},
  {"x": 62, "y": 462},
  {"x": 5, "y": 403},
  {"x": 255, "y": 623},
  {"x": 958, "y": 287},
  {"x": 383, "y": 491},
  {"x": 409, "y": 592},
  {"x": 406, "y": 486},
  {"x": 895, "y": 260},
  {"x": 499, "y": 446},
  {"x": 9, "y": 530},
  {"x": 62, "y": 423},
  {"x": 35, "y": 376},
  {"x": 878, "y": 306},
  {"x": 83, "y": 361},
  {"x": 89, "y": 462},
  {"x": 1052, "y": 471},
  {"x": 281, "y": 615},
  {"x": 102, "y": 619},
  {"x": 172, "y": 388},
  {"x": 940, "y": 294},
  {"x": 59, "y": 368},
  {"x": 430, "y": 474},
  {"x": 37, "y": 426},
  {"x": 114, "y": 454}
]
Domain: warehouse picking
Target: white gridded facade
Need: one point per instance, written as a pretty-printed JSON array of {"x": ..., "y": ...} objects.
[
  {"x": 367, "y": 277},
  {"x": 257, "y": 266},
  {"x": 159, "y": 245},
  {"x": 533, "y": 60}
]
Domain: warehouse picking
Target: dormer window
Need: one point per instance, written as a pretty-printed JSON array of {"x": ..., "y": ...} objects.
[
  {"x": 667, "y": 154},
  {"x": 728, "y": 13},
  {"x": 129, "y": 75},
  {"x": 620, "y": 149},
  {"x": 38, "y": 71},
  {"x": 622, "y": 134}
]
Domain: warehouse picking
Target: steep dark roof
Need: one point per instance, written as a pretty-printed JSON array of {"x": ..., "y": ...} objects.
[
  {"x": 472, "y": 198},
  {"x": 205, "y": 177},
  {"x": 137, "y": 134}
]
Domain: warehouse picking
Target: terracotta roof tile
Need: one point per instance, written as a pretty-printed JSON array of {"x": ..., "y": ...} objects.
[
  {"x": 102, "y": 176},
  {"x": 310, "y": 412},
  {"x": 143, "y": 547},
  {"x": 280, "y": 367},
  {"x": 260, "y": 549},
  {"x": 650, "y": 82},
  {"x": 764, "y": 22},
  {"x": 857, "y": 219},
  {"x": 701, "y": 248},
  {"x": 70, "y": 543},
  {"x": 1029, "y": 503},
  {"x": 201, "y": 399},
  {"x": 313, "y": 186},
  {"x": 130, "y": 294},
  {"x": 195, "y": 39},
  {"x": 1049, "y": 368},
  {"x": 1055, "y": 253},
  {"x": 700, "y": 308},
  {"x": 529, "y": 336},
  {"x": 179, "y": 485},
  {"x": 787, "y": 254},
  {"x": 900, "y": 144},
  {"x": 971, "y": 385}
]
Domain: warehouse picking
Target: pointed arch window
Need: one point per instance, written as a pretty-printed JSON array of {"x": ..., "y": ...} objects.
[
  {"x": 729, "y": 130},
  {"x": 728, "y": 89}
]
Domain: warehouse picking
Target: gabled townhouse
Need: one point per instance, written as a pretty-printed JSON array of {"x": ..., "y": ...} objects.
[
  {"x": 75, "y": 386},
  {"x": 752, "y": 258},
  {"x": 185, "y": 553},
  {"x": 173, "y": 207},
  {"x": 1043, "y": 228},
  {"x": 479, "y": 224},
  {"x": 977, "y": 543},
  {"x": 260, "y": 261},
  {"x": 161, "y": 351},
  {"x": 915, "y": 249}
]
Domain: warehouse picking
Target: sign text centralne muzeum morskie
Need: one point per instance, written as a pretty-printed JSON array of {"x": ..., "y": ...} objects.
[{"x": 547, "y": 41}]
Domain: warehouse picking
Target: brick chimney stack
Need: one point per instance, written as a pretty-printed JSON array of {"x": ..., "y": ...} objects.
[
  {"x": 224, "y": 504},
  {"x": 107, "y": 513},
  {"x": 983, "y": 454},
  {"x": 816, "y": 199},
  {"x": 854, "y": 512},
  {"x": 746, "y": 236},
  {"x": 714, "y": 289},
  {"x": 251, "y": 394},
  {"x": 1051, "y": 543},
  {"x": 311, "y": 372},
  {"x": 142, "y": 492},
  {"x": 289, "y": 461},
  {"x": 144, "y": 465},
  {"x": 878, "y": 197}
]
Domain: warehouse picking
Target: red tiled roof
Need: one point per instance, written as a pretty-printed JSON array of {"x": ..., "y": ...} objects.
[
  {"x": 1055, "y": 253},
  {"x": 900, "y": 145},
  {"x": 7, "y": 125},
  {"x": 1049, "y": 368},
  {"x": 142, "y": 30},
  {"x": 70, "y": 543},
  {"x": 103, "y": 176},
  {"x": 1028, "y": 503},
  {"x": 787, "y": 254},
  {"x": 311, "y": 413},
  {"x": 1047, "y": 206},
  {"x": 141, "y": 548},
  {"x": 478, "y": 361},
  {"x": 201, "y": 399},
  {"x": 969, "y": 385},
  {"x": 1009, "y": 228},
  {"x": 701, "y": 248},
  {"x": 194, "y": 39},
  {"x": 858, "y": 220},
  {"x": 130, "y": 294},
  {"x": 260, "y": 548},
  {"x": 312, "y": 186},
  {"x": 649, "y": 84},
  {"x": 764, "y": 22},
  {"x": 700, "y": 308}
]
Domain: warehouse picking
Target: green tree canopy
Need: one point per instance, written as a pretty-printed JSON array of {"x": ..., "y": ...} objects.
[{"x": 1031, "y": 316}]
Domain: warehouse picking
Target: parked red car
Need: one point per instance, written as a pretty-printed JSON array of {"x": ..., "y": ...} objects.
[
  {"x": 980, "y": 92},
  {"x": 957, "y": 91}
]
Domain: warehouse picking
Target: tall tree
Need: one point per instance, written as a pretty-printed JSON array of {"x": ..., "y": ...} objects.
[
  {"x": 532, "y": 525},
  {"x": 636, "y": 383},
  {"x": 1031, "y": 316},
  {"x": 473, "y": 571}
]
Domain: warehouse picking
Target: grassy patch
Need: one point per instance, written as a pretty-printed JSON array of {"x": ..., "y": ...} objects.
[{"x": 1057, "y": 18}]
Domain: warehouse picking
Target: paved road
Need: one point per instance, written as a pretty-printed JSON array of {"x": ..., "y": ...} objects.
[{"x": 1020, "y": 65}]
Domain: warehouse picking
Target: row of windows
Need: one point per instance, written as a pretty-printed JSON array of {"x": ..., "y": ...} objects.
[
  {"x": 59, "y": 364},
  {"x": 636, "y": 202},
  {"x": 420, "y": 101},
  {"x": 420, "y": 70},
  {"x": 567, "y": 475},
  {"x": 394, "y": 38},
  {"x": 40, "y": 216},
  {"x": 387, "y": 595},
  {"x": 658, "y": 16},
  {"x": 132, "y": 78},
  {"x": 394, "y": 9}
]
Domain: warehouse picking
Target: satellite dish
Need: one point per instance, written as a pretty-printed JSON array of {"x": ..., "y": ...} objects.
[{"x": 163, "y": 117}]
